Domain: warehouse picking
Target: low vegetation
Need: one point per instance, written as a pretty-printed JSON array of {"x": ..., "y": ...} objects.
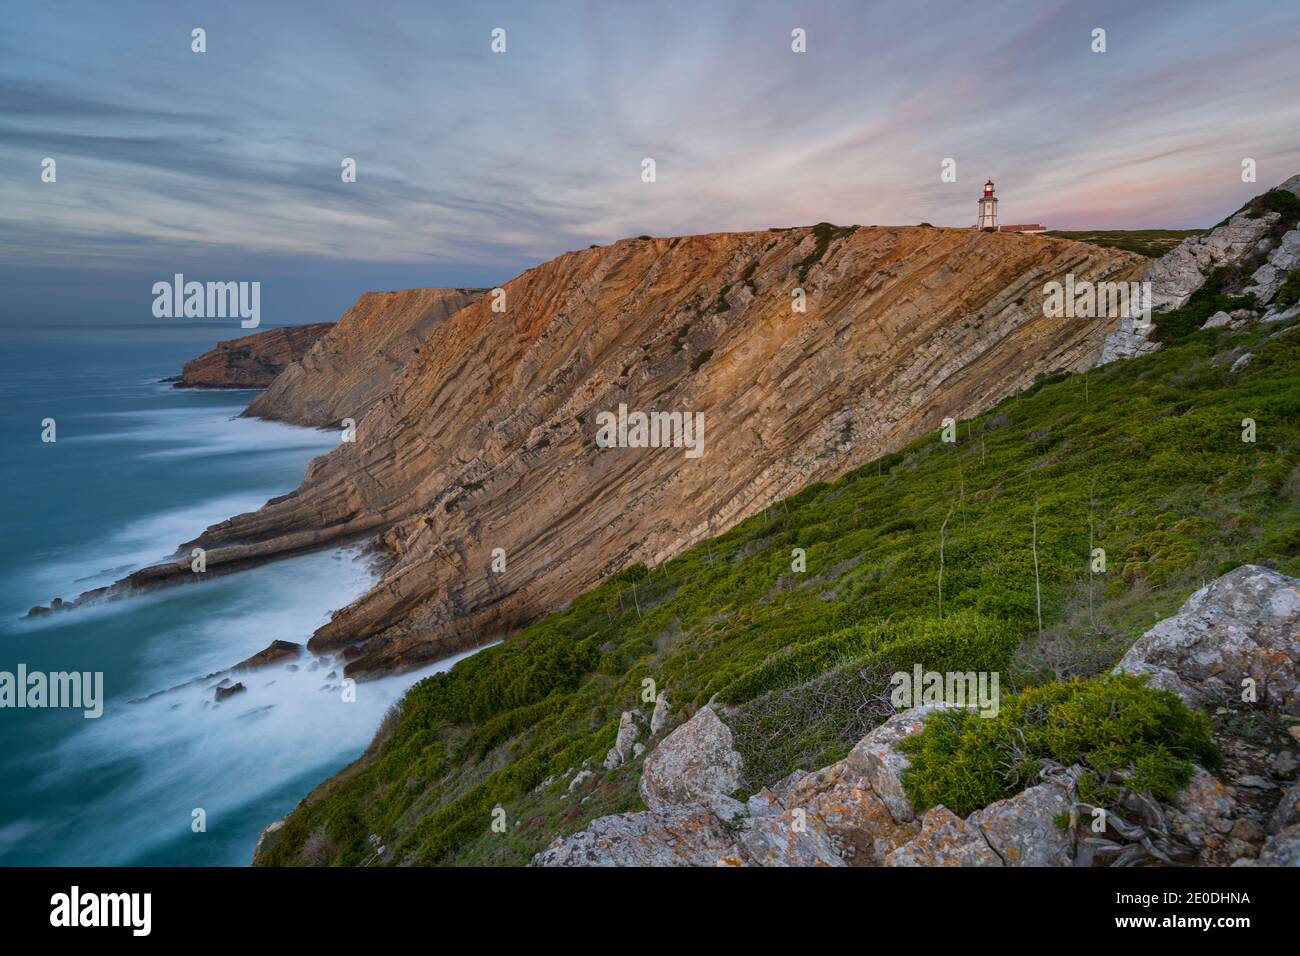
[
  {"x": 1143, "y": 458},
  {"x": 1112, "y": 726},
  {"x": 1152, "y": 243}
]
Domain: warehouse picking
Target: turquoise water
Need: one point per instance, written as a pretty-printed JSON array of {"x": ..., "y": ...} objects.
[{"x": 138, "y": 468}]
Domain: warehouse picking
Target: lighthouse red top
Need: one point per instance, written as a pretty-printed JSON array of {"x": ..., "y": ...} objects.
[{"x": 988, "y": 188}]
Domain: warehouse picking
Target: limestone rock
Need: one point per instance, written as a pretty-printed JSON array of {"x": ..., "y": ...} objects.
[
  {"x": 252, "y": 361},
  {"x": 692, "y": 764},
  {"x": 1287, "y": 812},
  {"x": 945, "y": 840},
  {"x": 1179, "y": 273},
  {"x": 857, "y": 821},
  {"x": 877, "y": 761},
  {"x": 1283, "y": 260},
  {"x": 790, "y": 838},
  {"x": 1217, "y": 321},
  {"x": 1202, "y": 809},
  {"x": 659, "y": 717},
  {"x": 1281, "y": 849},
  {"x": 673, "y": 836},
  {"x": 1022, "y": 829},
  {"x": 1245, "y": 624},
  {"x": 622, "y": 749}
]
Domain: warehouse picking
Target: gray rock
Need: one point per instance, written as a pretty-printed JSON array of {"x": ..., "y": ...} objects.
[
  {"x": 1284, "y": 764},
  {"x": 1178, "y": 273},
  {"x": 622, "y": 749},
  {"x": 790, "y": 838},
  {"x": 1268, "y": 278},
  {"x": 1287, "y": 812},
  {"x": 674, "y": 836},
  {"x": 693, "y": 763},
  {"x": 579, "y": 779},
  {"x": 1022, "y": 829},
  {"x": 1182, "y": 270},
  {"x": 1281, "y": 849},
  {"x": 1241, "y": 625},
  {"x": 1280, "y": 315},
  {"x": 877, "y": 763},
  {"x": 1241, "y": 362},
  {"x": 1217, "y": 321},
  {"x": 1204, "y": 807},
  {"x": 1128, "y": 339},
  {"x": 659, "y": 717},
  {"x": 945, "y": 840}
]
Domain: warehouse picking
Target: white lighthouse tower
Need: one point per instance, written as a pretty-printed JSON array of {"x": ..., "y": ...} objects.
[{"x": 988, "y": 209}]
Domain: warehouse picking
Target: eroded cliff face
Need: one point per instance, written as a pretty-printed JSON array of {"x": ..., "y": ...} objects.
[
  {"x": 487, "y": 437},
  {"x": 252, "y": 361},
  {"x": 343, "y": 374}
]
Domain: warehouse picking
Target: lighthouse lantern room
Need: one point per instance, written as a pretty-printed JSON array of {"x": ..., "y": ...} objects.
[{"x": 988, "y": 209}]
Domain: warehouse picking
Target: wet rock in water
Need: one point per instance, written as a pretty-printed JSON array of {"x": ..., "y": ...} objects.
[
  {"x": 223, "y": 692},
  {"x": 275, "y": 651}
]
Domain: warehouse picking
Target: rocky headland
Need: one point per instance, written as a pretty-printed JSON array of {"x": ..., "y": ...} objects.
[
  {"x": 808, "y": 351},
  {"x": 252, "y": 361}
]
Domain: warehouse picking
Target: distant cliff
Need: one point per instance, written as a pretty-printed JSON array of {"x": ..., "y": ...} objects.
[
  {"x": 357, "y": 361},
  {"x": 252, "y": 361}
]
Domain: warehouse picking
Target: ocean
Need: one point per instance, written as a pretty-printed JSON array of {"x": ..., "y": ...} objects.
[{"x": 138, "y": 467}]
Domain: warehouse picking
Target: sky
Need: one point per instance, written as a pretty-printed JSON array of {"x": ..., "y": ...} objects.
[{"x": 474, "y": 165}]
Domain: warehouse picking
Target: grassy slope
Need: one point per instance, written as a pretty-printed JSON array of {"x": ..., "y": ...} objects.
[
  {"x": 1152, "y": 243},
  {"x": 1154, "y": 442}
]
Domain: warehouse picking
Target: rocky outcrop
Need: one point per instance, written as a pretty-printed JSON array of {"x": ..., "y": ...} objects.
[
  {"x": 486, "y": 438},
  {"x": 1282, "y": 261},
  {"x": 360, "y": 358},
  {"x": 252, "y": 361},
  {"x": 877, "y": 760},
  {"x": 1239, "y": 242},
  {"x": 1237, "y": 634},
  {"x": 945, "y": 840},
  {"x": 856, "y": 812},
  {"x": 675, "y": 836},
  {"x": 693, "y": 764}
]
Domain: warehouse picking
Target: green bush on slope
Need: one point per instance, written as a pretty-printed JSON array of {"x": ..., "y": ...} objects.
[
  {"x": 1109, "y": 725},
  {"x": 1149, "y": 449}
]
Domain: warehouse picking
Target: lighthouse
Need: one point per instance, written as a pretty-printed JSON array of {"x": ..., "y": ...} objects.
[{"x": 988, "y": 209}]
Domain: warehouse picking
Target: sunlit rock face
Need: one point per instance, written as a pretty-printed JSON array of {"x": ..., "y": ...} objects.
[{"x": 486, "y": 436}]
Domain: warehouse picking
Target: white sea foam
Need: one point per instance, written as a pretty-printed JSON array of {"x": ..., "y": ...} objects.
[
  {"x": 185, "y": 751},
  {"x": 199, "y": 432}
]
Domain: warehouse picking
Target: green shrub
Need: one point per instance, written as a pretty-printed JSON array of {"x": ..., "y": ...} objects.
[{"x": 1110, "y": 725}]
